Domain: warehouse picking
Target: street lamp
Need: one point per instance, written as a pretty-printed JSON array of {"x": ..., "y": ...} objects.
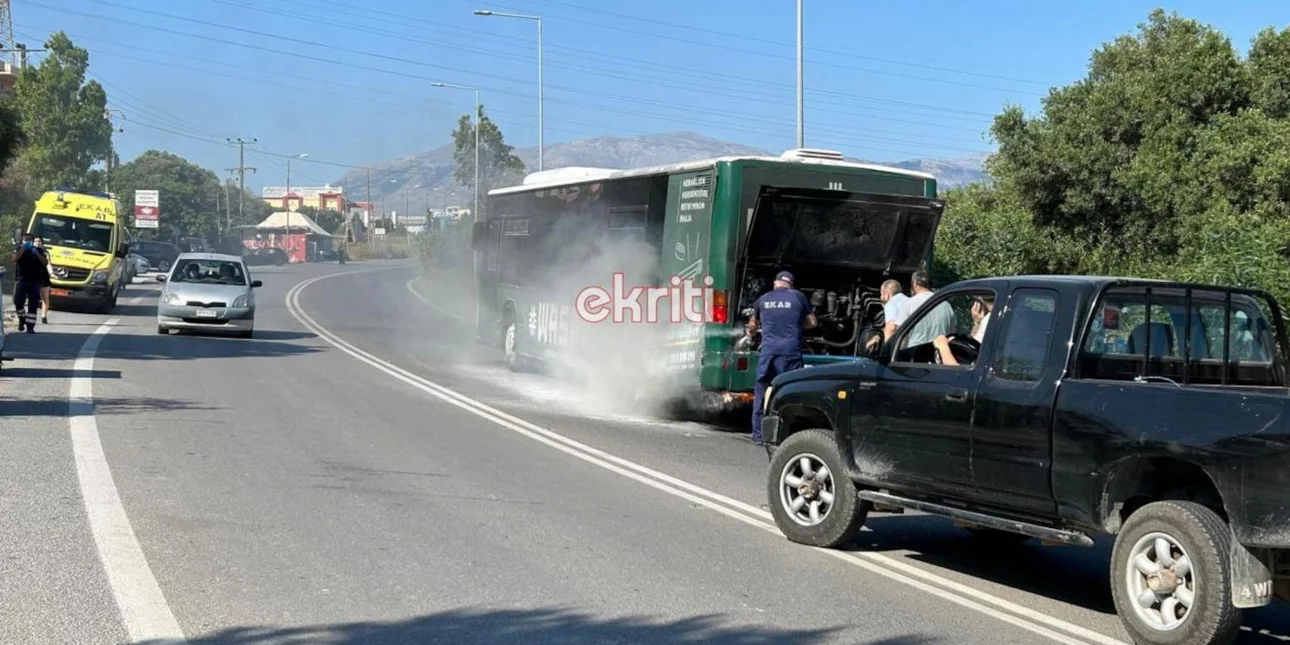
[
  {"x": 538, "y": 19},
  {"x": 475, "y": 213},
  {"x": 287, "y": 240}
]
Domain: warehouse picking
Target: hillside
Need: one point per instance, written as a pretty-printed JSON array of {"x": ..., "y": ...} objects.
[{"x": 433, "y": 170}]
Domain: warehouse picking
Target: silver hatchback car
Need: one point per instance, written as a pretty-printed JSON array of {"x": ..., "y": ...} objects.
[{"x": 209, "y": 292}]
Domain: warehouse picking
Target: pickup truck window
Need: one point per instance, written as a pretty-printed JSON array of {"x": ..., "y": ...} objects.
[
  {"x": 1126, "y": 339},
  {"x": 1023, "y": 353},
  {"x": 962, "y": 318}
]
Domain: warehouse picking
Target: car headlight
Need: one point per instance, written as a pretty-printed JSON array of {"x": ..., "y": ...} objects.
[
  {"x": 243, "y": 300},
  {"x": 99, "y": 276},
  {"x": 170, "y": 298}
]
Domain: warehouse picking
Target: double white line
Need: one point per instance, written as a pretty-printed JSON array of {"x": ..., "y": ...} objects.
[{"x": 886, "y": 566}]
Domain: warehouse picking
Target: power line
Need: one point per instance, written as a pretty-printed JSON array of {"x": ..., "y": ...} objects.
[
  {"x": 826, "y": 63},
  {"x": 583, "y": 67},
  {"x": 859, "y": 140},
  {"x": 582, "y": 54},
  {"x": 673, "y": 26}
]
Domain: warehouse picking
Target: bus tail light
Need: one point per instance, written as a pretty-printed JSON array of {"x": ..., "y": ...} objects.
[{"x": 720, "y": 314}]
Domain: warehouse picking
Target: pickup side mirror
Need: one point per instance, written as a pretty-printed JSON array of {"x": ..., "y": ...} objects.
[
  {"x": 256, "y": 284},
  {"x": 161, "y": 278},
  {"x": 478, "y": 235}
]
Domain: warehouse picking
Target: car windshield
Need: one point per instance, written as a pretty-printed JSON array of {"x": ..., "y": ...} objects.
[
  {"x": 72, "y": 232},
  {"x": 209, "y": 272}
]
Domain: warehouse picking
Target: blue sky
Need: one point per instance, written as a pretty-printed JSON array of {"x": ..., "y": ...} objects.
[{"x": 349, "y": 83}]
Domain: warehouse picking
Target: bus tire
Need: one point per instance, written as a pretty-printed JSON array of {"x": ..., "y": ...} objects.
[{"x": 513, "y": 361}]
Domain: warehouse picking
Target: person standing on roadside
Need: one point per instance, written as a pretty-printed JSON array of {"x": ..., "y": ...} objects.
[
  {"x": 27, "y": 292},
  {"x": 39, "y": 243},
  {"x": 782, "y": 315}
]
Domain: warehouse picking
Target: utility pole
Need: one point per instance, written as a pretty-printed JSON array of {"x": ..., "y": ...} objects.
[
  {"x": 241, "y": 174},
  {"x": 228, "y": 205},
  {"x": 801, "y": 120},
  {"x": 368, "y": 223}
]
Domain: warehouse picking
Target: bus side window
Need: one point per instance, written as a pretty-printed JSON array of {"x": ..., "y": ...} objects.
[
  {"x": 627, "y": 223},
  {"x": 490, "y": 245},
  {"x": 512, "y": 249}
]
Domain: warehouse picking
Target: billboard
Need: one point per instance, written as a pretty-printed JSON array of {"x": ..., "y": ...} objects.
[{"x": 147, "y": 208}]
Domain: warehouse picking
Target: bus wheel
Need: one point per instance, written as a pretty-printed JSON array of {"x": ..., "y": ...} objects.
[{"x": 508, "y": 344}]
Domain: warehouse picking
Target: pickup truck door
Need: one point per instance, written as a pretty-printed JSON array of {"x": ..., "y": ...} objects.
[
  {"x": 920, "y": 433},
  {"x": 1012, "y": 432}
]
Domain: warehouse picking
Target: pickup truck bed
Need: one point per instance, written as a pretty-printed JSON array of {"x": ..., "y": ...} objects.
[{"x": 1154, "y": 411}]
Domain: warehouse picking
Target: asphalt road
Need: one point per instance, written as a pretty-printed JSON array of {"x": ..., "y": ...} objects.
[{"x": 363, "y": 472}]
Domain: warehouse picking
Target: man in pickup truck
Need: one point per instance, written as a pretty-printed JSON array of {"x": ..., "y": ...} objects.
[
  {"x": 981, "y": 308},
  {"x": 940, "y": 322},
  {"x": 783, "y": 314},
  {"x": 893, "y": 299}
]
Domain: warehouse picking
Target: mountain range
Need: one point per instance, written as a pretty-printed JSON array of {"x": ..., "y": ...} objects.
[{"x": 413, "y": 182}]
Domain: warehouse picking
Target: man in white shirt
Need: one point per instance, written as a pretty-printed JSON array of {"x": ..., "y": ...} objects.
[{"x": 939, "y": 322}]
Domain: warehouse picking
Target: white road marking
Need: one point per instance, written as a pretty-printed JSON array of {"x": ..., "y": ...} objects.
[
  {"x": 889, "y": 567},
  {"x": 143, "y": 608},
  {"x": 418, "y": 296}
]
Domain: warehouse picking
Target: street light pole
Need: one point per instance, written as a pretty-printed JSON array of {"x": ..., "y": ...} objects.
[
  {"x": 801, "y": 116},
  {"x": 478, "y": 121},
  {"x": 286, "y": 241},
  {"x": 538, "y": 19}
]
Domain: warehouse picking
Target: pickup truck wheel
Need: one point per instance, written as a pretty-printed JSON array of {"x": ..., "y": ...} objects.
[
  {"x": 811, "y": 497},
  {"x": 1171, "y": 578}
]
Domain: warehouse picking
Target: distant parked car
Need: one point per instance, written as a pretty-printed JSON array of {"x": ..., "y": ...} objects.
[
  {"x": 266, "y": 256},
  {"x": 160, "y": 255},
  {"x": 207, "y": 292}
]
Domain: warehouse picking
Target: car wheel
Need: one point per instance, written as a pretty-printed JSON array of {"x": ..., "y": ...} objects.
[
  {"x": 1171, "y": 578},
  {"x": 811, "y": 497}
]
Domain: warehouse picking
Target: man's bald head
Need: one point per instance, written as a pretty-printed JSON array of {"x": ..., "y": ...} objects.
[{"x": 890, "y": 288}]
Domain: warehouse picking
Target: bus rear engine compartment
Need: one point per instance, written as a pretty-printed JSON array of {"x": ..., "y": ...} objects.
[{"x": 845, "y": 309}]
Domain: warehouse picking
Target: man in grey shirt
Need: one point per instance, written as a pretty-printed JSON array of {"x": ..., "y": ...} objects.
[{"x": 939, "y": 322}]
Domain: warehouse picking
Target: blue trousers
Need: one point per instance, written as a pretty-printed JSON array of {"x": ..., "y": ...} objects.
[
  {"x": 27, "y": 293},
  {"x": 768, "y": 367}
]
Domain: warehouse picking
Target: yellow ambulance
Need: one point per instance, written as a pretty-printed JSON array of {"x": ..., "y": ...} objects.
[{"x": 85, "y": 236}]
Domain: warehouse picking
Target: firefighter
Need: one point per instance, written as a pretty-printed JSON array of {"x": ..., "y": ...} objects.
[{"x": 782, "y": 314}]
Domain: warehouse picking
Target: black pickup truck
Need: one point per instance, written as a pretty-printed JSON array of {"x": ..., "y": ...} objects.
[{"x": 1060, "y": 408}]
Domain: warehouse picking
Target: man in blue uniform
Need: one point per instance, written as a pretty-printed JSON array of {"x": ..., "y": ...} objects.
[{"x": 782, "y": 314}]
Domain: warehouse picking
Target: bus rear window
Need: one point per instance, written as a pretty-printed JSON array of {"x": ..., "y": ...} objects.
[{"x": 801, "y": 227}]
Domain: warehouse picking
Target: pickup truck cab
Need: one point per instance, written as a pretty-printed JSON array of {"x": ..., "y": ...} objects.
[{"x": 1076, "y": 406}]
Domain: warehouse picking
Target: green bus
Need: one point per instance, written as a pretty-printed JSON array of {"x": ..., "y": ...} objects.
[{"x": 725, "y": 225}]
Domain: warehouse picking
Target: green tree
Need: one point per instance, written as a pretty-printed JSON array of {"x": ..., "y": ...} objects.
[
  {"x": 327, "y": 218},
  {"x": 1170, "y": 158},
  {"x": 188, "y": 193},
  {"x": 498, "y": 164},
  {"x": 63, "y": 117}
]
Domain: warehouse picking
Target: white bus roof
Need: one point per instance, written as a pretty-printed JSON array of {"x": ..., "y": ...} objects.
[{"x": 558, "y": 177}]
